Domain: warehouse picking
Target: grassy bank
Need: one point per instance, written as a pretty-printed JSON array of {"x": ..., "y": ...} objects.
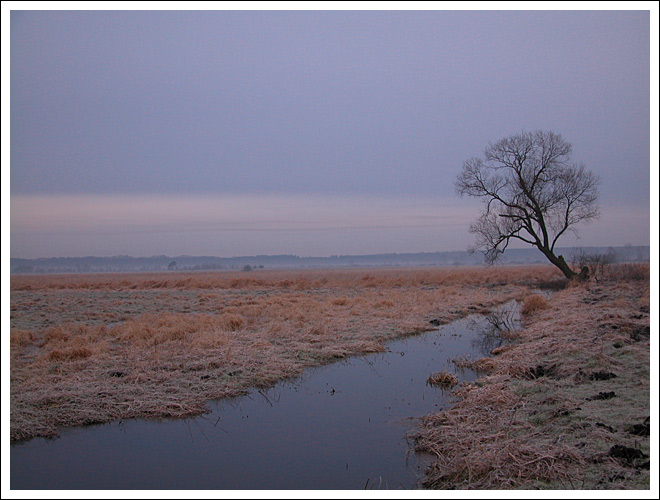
[
  {"x": 565, "y": 406},
  {"x": 95, "y": 348}
]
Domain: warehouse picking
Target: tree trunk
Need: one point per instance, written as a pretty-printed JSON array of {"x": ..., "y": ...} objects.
[{"x": 560, "y": 263}]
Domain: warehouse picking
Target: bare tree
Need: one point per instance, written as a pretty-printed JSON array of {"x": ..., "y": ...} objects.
[
  {"x": 596, "y": 263},
  {"x": 532, "y": 192}
]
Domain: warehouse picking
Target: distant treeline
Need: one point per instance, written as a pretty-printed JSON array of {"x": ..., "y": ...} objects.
[{"x": 125, "y": 263}]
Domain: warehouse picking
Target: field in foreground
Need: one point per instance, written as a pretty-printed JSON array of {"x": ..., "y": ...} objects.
[
  {"x": 566, "y": 406},
  {"x": 94, "y": 348}
]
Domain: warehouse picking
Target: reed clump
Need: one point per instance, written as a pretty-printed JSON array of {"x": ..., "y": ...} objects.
[{"x": 442, "y": 379}]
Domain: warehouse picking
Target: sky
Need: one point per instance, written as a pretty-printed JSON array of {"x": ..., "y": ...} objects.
[{"x": 308, "y": 132}]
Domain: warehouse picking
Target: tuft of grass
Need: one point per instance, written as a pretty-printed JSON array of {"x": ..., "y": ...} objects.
[
  {"x": 479, "y": 365},
  {"x": 18, "y": 338},
  {"x": 232, "y": 322},
  {"x": 442, "y": 379},
  {"x": 341, "y": 301},
  {"x": 69, "y": 353},
  {"x": 533, "y": 303},
  {"x": 484, "y": 365}
]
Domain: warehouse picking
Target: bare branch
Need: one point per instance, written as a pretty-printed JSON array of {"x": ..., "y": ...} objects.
[{"x": 531, "y": 191}]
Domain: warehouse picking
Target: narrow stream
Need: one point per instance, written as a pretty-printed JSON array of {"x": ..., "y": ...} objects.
[{"x": 340, "y": 426}]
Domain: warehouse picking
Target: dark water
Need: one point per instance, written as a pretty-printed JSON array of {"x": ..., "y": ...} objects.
[{"x": 341, "y": 426}]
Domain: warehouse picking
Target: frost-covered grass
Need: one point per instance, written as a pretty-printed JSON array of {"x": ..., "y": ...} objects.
[
  {"x": 564, "y": 407},
  {"x": 94, "y": 348}
]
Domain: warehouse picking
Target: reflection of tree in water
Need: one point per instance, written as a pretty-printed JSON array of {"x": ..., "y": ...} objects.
[{"x": 495, "y": 329}]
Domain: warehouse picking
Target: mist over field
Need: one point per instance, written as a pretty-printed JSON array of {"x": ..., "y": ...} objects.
[{"x": 126, "y": 263}]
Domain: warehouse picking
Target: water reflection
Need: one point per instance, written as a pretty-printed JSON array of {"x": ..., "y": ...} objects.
[{"x": 495, "y": 329}]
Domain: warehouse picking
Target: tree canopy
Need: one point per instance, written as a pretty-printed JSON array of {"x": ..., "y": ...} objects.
[{"x": 532, "y": 192}]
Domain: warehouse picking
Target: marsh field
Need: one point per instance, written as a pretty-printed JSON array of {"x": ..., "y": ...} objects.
[{"x": 565, "y": 403}]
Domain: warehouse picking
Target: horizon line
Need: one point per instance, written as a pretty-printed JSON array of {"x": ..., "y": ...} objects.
[{"x": 528, "y": 248}]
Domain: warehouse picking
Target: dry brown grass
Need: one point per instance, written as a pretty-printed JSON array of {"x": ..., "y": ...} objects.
[
  {"x": 93, "y": 348},
  {"x": 442, "y": 379},
  {"x": 559, "y": 405},
  {"x": 18, "y": 338},
  {"x": 289, "y": 280},
  {"x": 533, "y": 303},
  {"x": 478, "y": 446}
]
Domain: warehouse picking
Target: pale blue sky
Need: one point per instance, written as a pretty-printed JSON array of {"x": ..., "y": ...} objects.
[{"x": 308, "y": 132}]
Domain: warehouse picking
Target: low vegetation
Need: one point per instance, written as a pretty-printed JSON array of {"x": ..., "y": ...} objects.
[
  {"x": 563, "y": 403},
  {"x": 565, "y": 406},
  {"x": 442, "y": 379},
  {"x": 94, "y": 348}
]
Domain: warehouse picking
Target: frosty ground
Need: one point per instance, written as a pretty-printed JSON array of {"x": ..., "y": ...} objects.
[{"x": 564, "y": 405}]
